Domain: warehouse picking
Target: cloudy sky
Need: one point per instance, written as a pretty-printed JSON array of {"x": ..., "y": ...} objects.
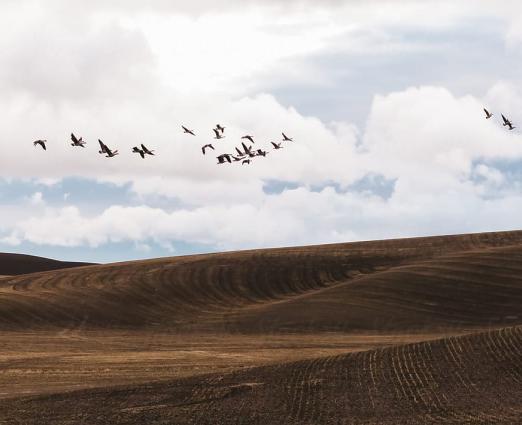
[{"x": 383, "y": 99}]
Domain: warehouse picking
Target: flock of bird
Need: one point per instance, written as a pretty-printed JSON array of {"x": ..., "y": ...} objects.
[
  {"x": 505, "y": 122},
  {"x": 244, "y": 153}
]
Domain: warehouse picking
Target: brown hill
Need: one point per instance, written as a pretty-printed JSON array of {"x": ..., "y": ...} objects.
[
  {"x": 476, "y": 379},
  {"x": 183, "y": 338},
  {"x": 323, "y": 288},
  {"x": 17, "y": 264}
]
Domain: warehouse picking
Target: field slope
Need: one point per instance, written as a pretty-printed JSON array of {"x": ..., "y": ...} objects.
[{"x": 420, "y": 330}]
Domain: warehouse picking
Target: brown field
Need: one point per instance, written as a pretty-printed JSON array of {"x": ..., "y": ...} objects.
[{"x": 423, "y": 330}]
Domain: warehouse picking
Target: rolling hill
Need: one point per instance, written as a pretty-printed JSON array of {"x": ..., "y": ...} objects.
[{"x": 419, "y": 330}]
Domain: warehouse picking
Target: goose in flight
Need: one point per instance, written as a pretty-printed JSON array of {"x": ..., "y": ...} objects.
[
  {"x": 507, "y": 123},
  {"x": 246, "y": 161},
  {"x": 488, "y": 114},
  {"x": 203, "y": 148},
  {"x": 104, "y": 149},
  {"x": 220, "y": 128},
  {"x": 248, "y": 151},
  {"x": 218, "y": 134},
  {"x": 224, "y": 158},
  {"x": 186, "y": 130},
  {"x": 138, "y": 150},
  {"x": 248, "y": 137},
  {"x": 146, "y": 151},
  {"x": 286, "y": 138},
  {"x": 276, "y": 145},
  {"x": 76, "y": 141},
  {"x": 41, "y": 143},
  {"x": 261, "y": 152}
]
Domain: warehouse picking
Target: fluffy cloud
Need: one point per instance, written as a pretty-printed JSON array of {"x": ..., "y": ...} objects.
[{"x": 131, "y": 73}]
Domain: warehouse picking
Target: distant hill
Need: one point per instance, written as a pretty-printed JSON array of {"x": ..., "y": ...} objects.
[{"x": 17, "y": 264}]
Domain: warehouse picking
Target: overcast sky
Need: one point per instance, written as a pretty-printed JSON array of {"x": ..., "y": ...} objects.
[{"x": 382, "y": 98}]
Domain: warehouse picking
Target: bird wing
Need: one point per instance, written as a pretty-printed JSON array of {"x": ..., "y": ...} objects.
[
  {"x": 216, "y": 132},
  {"x": 73, "y": 138},
  {"x": 103, "y": 147},
  {"x": 144, "y": 148},
  {"x": 504, "y": 118}
]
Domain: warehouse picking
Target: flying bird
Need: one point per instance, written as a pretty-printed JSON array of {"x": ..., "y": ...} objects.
[
  {"x": 217, "y": 133},
  {"x": 220, "y": 128},
  {"x": 76, "y": 141},
  {"x": 186, "y": 130},
  {"x": 246, "y": 161},
  {"x": 203, "y": 148},
  {"x": 248, "y": 137},
  {"x": 488, "y": 114},
  {"x": 224, "y": 158},
  {"x": 138, "y": 150},
  {"x": 507, "y": 123},
  {"x": 104, "y": 149},
  {"x": 261, "y": 152},
  {"x": 41, "y": 143},
  {"x": 146, "y": 151},
  {"x": 276, "y": 145},
  {"x": 286, "y": 138},
  {"x": 248, "y": 151}
]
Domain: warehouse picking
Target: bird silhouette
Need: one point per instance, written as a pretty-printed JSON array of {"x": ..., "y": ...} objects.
[
  {"x": 146, "y": 151},
  {"x": 186, "y": 130},
  {"x": 218, "y": 134},
  {"x": 220, "y": 128},
  {"x": 286, "y": 138},
  {"x": 104, "y": 149},
  {"x": 224, "y": 158},
  {"x": 507, "y": 123},
  {"x": 203, "y": 148},
  {"x": 246, "y": 161},
  {"x": 276, "y": 145},
  {"x": 76, "y": 141},
  {"x": 41, "y": 143},
  {"x": 138, "y": 150},
  {"x": 488, "y": 114}
]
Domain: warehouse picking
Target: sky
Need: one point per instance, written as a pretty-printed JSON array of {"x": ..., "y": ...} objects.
[{"x": 383, "y": 100}]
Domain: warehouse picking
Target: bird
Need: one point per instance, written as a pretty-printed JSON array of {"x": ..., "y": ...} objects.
[
  {"x": 217, "y": 133},
  {"x": 104, "y": 149},
  {"x": 76, "y": 141},
  {"x": 41, "y": 143},
  {"x": 220, "y": 128},
  {"x": 286, "y": 138},
  {"x": 248, "y": 151},
  {"x": 138, "y": 150},
  {"x": 507, "y": 122},
  {"x": 248, "y": 137},
  {"x": 205, "y": 147},
  {"x": 186, "y": 130},
  {"x": 146, "y": 151},
  {"x": 246, "y": 161},
  {"x": 110, "y": 153},
  {"x": 224, "y": 158},
  {"x": 261, "y": 152},
  {"x": 276, "y": 145},
  {"x": 488, "y": 114}
]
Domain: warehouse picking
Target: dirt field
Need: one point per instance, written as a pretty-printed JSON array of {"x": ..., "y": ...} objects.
[{"x": 422, "y": 330}]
